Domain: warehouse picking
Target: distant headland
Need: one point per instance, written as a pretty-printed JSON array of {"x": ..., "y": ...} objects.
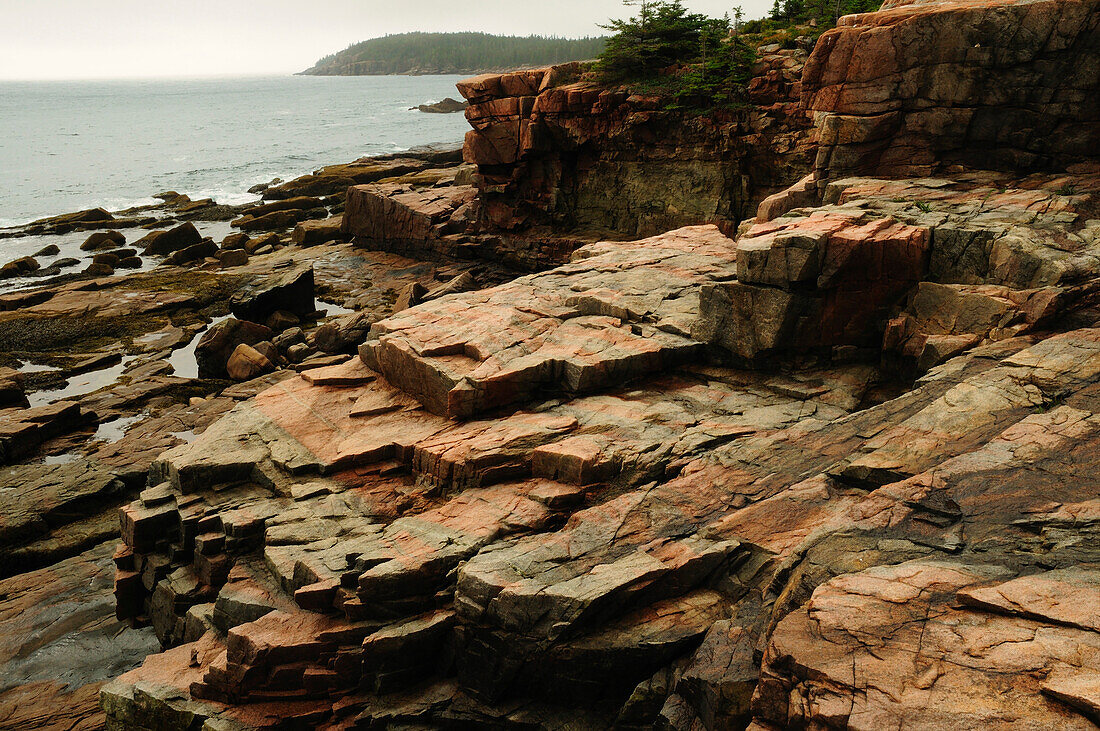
[{"x": 452, "y": 53}]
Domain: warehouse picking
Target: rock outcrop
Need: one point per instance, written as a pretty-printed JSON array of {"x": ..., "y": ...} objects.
[
  {"x": 553, "y": 148},
  {"x": 536, "y": 502},
  {"x": 1003, "y": 86}
]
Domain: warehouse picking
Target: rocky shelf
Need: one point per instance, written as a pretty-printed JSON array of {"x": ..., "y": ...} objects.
[{"x": 812, "y": 455}]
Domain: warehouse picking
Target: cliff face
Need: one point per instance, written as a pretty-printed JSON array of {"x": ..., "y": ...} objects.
[
  {"x": 924, "y": 87},
  {"x": 566, "y": 501},
  {"x": 553, "y": 150}
]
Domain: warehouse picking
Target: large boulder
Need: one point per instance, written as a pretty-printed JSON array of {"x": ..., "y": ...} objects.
[
  {"x": 290, "y": 290},
  {"x": 162, "y": 243},
  {"x": 217, "y": 344}
]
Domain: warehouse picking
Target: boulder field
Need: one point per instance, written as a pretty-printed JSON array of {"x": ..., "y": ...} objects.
[{"x": 783, "y": 419}]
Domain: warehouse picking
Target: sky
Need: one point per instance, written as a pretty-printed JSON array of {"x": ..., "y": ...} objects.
[{"x": 85, "y": 39}]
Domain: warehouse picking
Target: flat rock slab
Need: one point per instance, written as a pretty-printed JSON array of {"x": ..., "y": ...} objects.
[{"x": 617, "y": 311}]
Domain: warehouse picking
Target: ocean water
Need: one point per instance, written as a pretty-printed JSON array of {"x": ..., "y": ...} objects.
[{"x": 67, "y": 146}]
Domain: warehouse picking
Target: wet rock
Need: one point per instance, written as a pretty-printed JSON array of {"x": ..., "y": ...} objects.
[
  {"x": 19, "y": 267},
  {"x": 108, "y": 258},
  {"x": 263, "y": 241},
  {"x": 53, "y": 670},
  {"x": 233, "y": 258},
  {"x": 446, "y": 106},
  {"x": 162, "y": 243},
  {"x": 103, "y": 240},
  {"x": 194, "y": 252},
  {"x": 217, "y": 344},
  {"x": 99, "y": 269},
  {"x": 51, "y": 250}
]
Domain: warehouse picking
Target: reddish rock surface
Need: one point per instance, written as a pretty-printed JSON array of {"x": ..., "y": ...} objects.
[
  {"x": 890, "y": 101},
  {"x": 834, "y": 466}
]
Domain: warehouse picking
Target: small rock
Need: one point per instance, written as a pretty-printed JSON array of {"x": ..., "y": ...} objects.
[
  {"x": 51, "y": 250},
  {"x": 310, "y": 233},
  {"x": 195, "y": 252},
  {"x": 447, "y": 106},
  {"x": 219, "y": 342},
  {"x": 280, "y": 320},
  {"x": 233, "y": 258},
  {"x": 410, "y": 296},
  {"x": 288, "y": 338},
  {"x": 107, "y": 258},
  {"x": 247, "y": 363},
  {"x": 99, "y": 270},
  {"x": 235, "y": 241},
  {"x": 298, "y": 352},
  {"x": 268, "y": 350}
]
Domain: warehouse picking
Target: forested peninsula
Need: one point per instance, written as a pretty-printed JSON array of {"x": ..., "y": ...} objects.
[{"x": 452, "y": 53}]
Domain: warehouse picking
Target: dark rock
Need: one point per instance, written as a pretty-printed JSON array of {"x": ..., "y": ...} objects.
[
  {"x": 194, "y": 252},
  {"x": 51, "y": 250},
  {"x": 103, "y": 240},
  {"x": 18, "y": 267},
  {"x": 235, "y": 241},
  {"x": 280, "y": 320},
  {"x": 344, "y": 334},
  {"x": 290, "y": 290},
  {"x": 99, "y": 270},
  {"x": 447, "y": 106},
  {"x": 162, "y": 243}
]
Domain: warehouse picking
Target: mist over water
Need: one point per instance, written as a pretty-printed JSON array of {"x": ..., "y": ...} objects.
[{"x": 67, "y": 146}]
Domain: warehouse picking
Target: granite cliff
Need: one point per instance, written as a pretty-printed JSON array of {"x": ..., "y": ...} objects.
[{"x": 793, "y": 420}]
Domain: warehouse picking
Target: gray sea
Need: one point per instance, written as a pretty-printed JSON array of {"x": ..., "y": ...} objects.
[{"x": 67, "y": 146}]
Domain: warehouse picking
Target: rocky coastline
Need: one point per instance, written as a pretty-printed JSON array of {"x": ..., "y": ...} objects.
[{"x": 616, "y": 417}]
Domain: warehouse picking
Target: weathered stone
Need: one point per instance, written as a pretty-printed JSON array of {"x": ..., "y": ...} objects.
[
  {"x": 217, "y": 344},
  {"x": 162, "y": 243},
  {"x": 290, "y": 290},
  {"x": 246, "y": 363}
]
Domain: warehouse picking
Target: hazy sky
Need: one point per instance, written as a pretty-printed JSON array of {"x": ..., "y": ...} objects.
[{"x": 69, "y": 39}]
